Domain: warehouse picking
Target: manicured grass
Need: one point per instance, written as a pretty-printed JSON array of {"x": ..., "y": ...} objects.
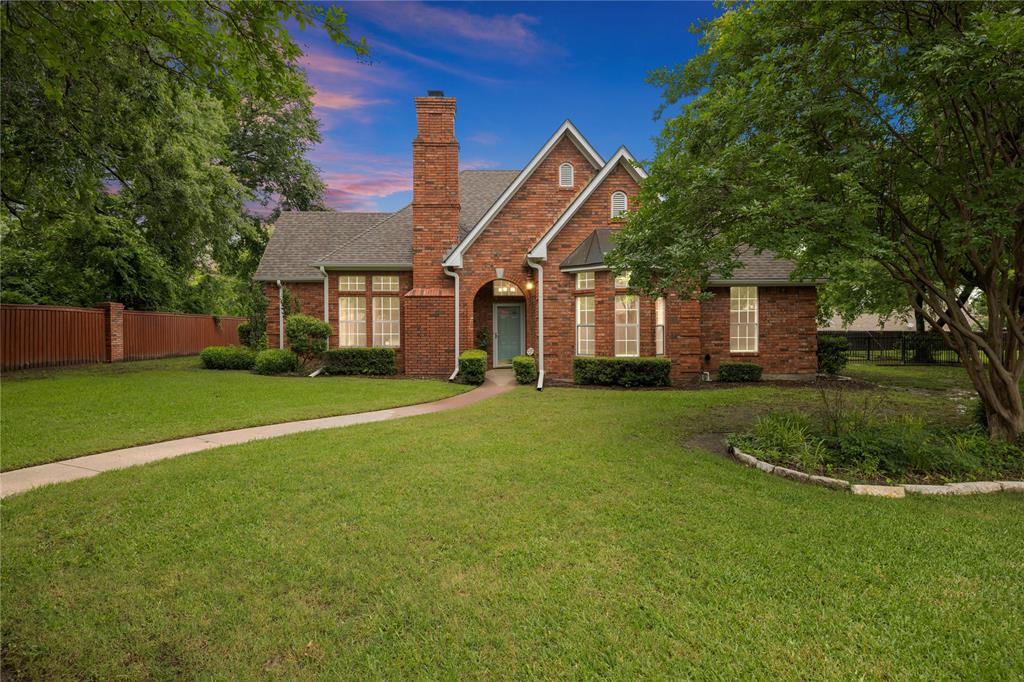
[
  {"x": 564, "y": 534},
  {"x": 932, "y": 377},
  {"x": 56, "y": 414}
]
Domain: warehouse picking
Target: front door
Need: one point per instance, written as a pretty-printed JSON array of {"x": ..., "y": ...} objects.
[{"x": 508, "y": 332}]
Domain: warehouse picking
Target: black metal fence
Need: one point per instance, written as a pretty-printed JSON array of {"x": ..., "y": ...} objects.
[{"x": 897, "y": 348}]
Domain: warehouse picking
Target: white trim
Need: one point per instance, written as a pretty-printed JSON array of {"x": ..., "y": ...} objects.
[
  {"x": 494, "y": 330},
  {"x": 619, "y": 194},
  {"x": 368, "y": 267},
  {"x": 454, "y": 259},
  {"x": 585, "y": 268},
  {"x": 540, "y": 322},
  {"x": 540, "y": 251},
  {"x": 452, "y": 273}
]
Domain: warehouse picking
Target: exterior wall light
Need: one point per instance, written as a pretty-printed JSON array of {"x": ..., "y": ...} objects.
[{"x": 529, "y": 285}]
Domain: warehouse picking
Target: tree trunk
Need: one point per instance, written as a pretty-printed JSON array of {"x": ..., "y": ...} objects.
[{"x": 1000, "y": 396}]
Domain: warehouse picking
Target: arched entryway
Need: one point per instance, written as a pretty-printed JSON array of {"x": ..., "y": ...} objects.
[{"x": 500, "y": 314}]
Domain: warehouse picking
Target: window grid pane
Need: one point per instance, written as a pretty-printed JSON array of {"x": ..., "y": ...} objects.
[
  {"x": 627, "y": 326},
  {"x": 584, "y": 280},
  {"x": 351, "y": 283},
  {"x": 585, "y": 325},
  {"x": 385, "y": 282},
  {"x": 386, "y": 321},
  {"x": 503, "y": 287},
  {"x": 351, "y": 321},
  {"x": 743, "y": 325},
  {"x": 659, "y": 326}
]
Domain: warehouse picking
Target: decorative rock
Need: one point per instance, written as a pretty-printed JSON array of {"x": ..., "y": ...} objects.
[
  {"x": 833, "y": 483},
  {"x": 792, "y": 474},
  {"x": 745, "y": 458},
  {"x": 928, "y": 489},
  {"x": 765, "y": 466},
  {"x": 878, "y": 490},
  {"x": 975, "y": 487},
  {"x": 1012, "y": 486}
]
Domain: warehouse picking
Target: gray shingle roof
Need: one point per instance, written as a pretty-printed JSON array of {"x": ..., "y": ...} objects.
[
  {"x": 390, "y": 241},
  {"x": 301, "y": 237},
  {"x": 590, "y": 252}
]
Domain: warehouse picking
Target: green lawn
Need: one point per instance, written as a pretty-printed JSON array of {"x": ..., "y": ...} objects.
[
  {"x": 50, "y": 415},
  {"x": 564, "y": 534},
  {"x": 932, "y": 377}
]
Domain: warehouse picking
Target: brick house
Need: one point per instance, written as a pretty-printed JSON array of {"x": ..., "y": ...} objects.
[{"x": 513, "y": 260}]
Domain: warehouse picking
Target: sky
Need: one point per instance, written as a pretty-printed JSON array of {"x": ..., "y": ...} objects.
[{"x": 517, "y": 71}]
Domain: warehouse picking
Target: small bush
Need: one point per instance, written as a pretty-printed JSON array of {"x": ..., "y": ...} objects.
[
  {"x": 739, "y": 371},
  {"x": 307, "y": 336},
  {"x": 628, "y": 372},
  {"x": 473, "y": 366},
  {"x": 251, "y": 336},
  {"x": 227, "y": 357},
  {"x": 525, "y": 369},
  {"x": 276, "y": 361},
  {"x": 365, "y": 361},
  {"x": 788, "y": 437},
  {"x": 832, "y": 354}
]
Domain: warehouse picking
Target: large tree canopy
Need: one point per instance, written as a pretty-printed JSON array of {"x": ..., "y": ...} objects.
[
  {"x": 839, "y": 133},
  {"x": 134, "y": 136}
]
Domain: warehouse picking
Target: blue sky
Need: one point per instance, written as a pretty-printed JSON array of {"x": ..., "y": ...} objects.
[{"x": 517, "y": 70}]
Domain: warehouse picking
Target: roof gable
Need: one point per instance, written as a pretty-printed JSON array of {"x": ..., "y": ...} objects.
[
  {"x": 623, "y": 157},
  {"x": 301, "y": 237},
  {"x": 566, "y": 130}
]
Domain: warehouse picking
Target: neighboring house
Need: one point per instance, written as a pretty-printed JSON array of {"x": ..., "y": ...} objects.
[
  {"x": 870, "y": 323},
  {"x": 516, "y": 258}
]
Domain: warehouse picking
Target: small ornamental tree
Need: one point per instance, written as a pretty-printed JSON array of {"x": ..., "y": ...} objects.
[
  {"x": 307, "y": 337},
  {"x": 881, "y": 137}
]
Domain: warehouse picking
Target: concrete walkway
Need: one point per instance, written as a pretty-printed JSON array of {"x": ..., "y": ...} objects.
[{"x": 20, "y": 480}]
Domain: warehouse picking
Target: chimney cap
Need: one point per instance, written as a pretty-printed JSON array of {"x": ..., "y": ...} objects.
[{"x": 435, "y": 93}]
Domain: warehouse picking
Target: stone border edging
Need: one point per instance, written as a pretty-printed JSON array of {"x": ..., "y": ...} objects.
[{"x": 967, "y": 488}]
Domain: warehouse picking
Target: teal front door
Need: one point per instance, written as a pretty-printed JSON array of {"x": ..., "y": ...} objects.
[{"x": 508, "y": 332}]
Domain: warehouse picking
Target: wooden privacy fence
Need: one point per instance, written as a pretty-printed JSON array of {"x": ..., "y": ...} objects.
[{"x": 50, "y": 336}]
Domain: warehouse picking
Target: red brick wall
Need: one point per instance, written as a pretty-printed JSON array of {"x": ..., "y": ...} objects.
[
  {"x": 429, "y": 328},
  {"x": 787, "y": 331},
  {"x": 435, "y": 189},
  {"x": 310, "y": 296}
]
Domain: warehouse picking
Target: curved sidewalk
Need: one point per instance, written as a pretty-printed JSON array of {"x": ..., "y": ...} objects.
[{"x": 20, "y": 480}]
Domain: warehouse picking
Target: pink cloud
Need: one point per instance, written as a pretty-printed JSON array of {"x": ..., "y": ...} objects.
[
  {"x": 484, "y": 137},
  {"x": 325, "y": 63},
  {"x": 341, "y": 200},
  {"x": 437, "y": 65},
  {"x": 341, "y": 100},
  {"x": 477, "y": 164}
]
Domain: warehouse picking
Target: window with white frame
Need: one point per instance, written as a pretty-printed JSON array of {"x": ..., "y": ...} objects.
[
  {"x": 385, "y": 282},
  {"x": 627, "y": 326},
  {"x": 584, "y": 280},
  {"x": 352, "y": 321},
  {"x": 351, "y": 283},
  {"x": 659, "y": 326},
  {"x": 386, "y": 321},
  {"x": 620, "y": 204},
  {"x": 565, "y": 178},
  {"x": 743, "y": 319},
  {"x": 503, "y": 287},
  {"x": 622, "y": 281},
  {"x": 584, "y": 325}
]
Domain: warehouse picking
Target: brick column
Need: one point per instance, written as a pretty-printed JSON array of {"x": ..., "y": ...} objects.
[{"x": 113, "y": 327}]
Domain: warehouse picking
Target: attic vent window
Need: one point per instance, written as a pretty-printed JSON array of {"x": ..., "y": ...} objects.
[
  {"x": 619, "y": 204},
  {"x": 565, "y": 178}
]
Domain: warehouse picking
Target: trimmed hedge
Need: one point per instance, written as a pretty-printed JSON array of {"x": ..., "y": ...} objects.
[
  {"x": 473, "y": 366},
  {"x": 832, "y": 354},
  {"x": 367, "y": 361},
  {"x": 227, "y": 357},
  {"x": 276, "y": 361},
  {"x": 525, "y": 369},
  {"x": 739, "y": 371},
  {"x": 307, "y": 336},
  {"x": 621, "y": 371}
]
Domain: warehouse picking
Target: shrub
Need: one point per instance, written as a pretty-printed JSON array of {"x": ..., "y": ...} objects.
[
  {"x": 367, "y": 361},
  {"x": 788, "y": 436},
  {"x": 252, "y": 336},
  {"x": 621, "y": 371},
  {"x": 525, "y": 369},
  {"x": 227, "y": 357},
  {"x": 739, "y": 371},
  {"x": 473, "y": 366},
  {"x": 832, "y": 352},
  {"x": 276, "y": 361},
  {"x": 307, "y": 336}
]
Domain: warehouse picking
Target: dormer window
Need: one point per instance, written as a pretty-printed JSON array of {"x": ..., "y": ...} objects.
[
  {"x": 565, "y": 177},
  {"x": 619, "y": 204}
]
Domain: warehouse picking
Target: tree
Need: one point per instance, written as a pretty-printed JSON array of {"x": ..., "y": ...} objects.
[
  {"x": 833, "y": 133},
  {"x": 135, "y": 135}
]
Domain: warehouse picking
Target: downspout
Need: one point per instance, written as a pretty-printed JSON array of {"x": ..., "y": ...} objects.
[
  {"x": 326, "y": 316},
  {"x": 540, "y": 322},
  {"x": 452, "y": 273},
  {"x": 280, "y": 314}
]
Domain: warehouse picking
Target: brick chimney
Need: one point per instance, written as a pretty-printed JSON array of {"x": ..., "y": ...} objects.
[{"x": 435, "y": 188}]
